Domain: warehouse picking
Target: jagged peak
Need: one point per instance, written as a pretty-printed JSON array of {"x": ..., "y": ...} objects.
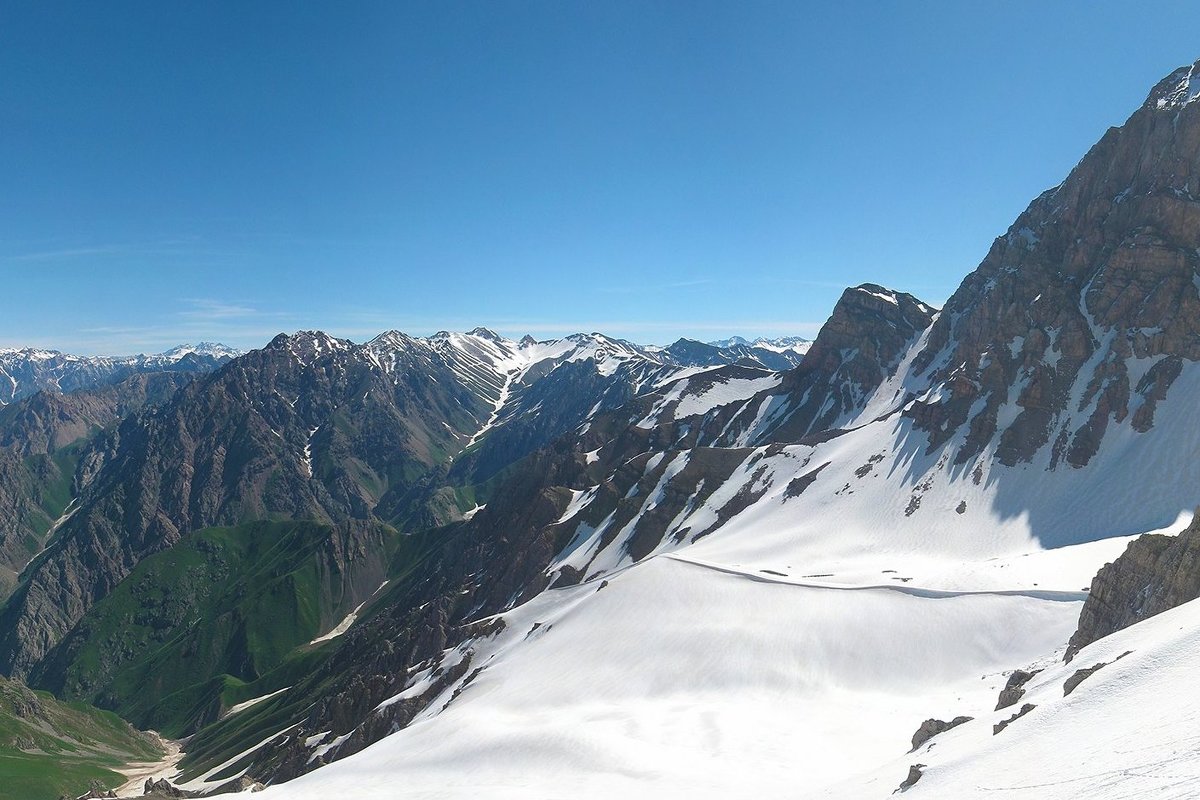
[
  {"x": 1176, "y": 90},
  {"x": 308, "y": 344},
  {"x": 33, "y": 353},
  {"x": 855, "y": 295},
  {"x": 390, "y": 338},
  {"x": 485, "y": 333}
]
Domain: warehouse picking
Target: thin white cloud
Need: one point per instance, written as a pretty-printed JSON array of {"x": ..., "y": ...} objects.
[
  {"x": 68, "y": 253},
  {"x": 203, "y": 309}
]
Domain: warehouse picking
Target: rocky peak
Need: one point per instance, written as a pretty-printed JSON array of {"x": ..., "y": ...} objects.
[
  {"x": 1178, "y": 89},
  {"x": 1079, "y": 316},
  {"x": 870, "y": 310},
  {"x": 390, "y": 340},
  {"x": 215, "y": 350},
  {"x": 308, "y": 346},
  {"x": 860, "y": 347},
  {"x": 486, "y": 333}
]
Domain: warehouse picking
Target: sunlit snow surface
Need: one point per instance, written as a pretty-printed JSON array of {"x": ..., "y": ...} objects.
[
  {"x": 677, "y": 679},
  {"x": 793, "y": 651}
]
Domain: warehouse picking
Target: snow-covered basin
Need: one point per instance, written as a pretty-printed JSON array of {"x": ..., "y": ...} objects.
[{"x": 684, "y": 679}]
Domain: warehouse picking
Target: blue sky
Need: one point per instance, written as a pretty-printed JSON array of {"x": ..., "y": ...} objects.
[{"x": 173, "y": 172}]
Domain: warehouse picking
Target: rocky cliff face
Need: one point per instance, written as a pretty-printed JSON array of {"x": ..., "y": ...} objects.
[
  {"x": 46, "y": 457},
  {"x": 1154, "y": 574},
  {"x": 1081, "y": 315}
]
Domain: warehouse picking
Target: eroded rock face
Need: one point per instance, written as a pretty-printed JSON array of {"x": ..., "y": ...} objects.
[
  {"x": 162, "y": 788},
  {"x": 1154, "y": 574},
  {"x": 1082, "y": 313},
  {"x": 915, "y": 772},
  {"x": 39, "y": 476}
]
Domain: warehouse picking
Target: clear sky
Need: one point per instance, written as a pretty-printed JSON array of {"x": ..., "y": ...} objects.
[{"x": 179, "y": 171}]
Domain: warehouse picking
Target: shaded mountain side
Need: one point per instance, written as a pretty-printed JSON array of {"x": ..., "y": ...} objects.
[
  {"x": 308, "y": 427},
  {"x": 49, "y": 748},
  {"x": 471, "y": 569},
  {"x": 313, "y": 427},
  {"x": 47, "y": 421},
  {"x": 35, "y": 491},
  {"x": 548, "y": 407},
  {"x": 1154, "y": 574},
  {"x": 47, "y": 455},
  {"x": 200, "y": 627}
]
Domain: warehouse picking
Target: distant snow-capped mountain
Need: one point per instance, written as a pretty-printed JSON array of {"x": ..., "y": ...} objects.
[
  {"x": 796, "y": 343},
  {"x": 211, "y": 349},
  {"x": 25, "y": 371}
]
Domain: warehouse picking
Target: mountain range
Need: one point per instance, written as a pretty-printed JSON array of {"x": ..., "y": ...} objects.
[
  {"x": 939, "y": 551},
  {"x": 25, "y": 371}
]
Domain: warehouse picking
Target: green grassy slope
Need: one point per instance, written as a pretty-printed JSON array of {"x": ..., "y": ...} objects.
[
  {"x": 217, "y": 619},
  {"x": 49, "y": 748}
]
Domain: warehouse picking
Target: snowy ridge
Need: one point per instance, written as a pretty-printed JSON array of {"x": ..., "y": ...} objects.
[
  {"x": 785, "y": 344},
  {"x": 24, "y": 371},
  {"x": 725, "y": 581},
  {"x": 501, "y": 371}
]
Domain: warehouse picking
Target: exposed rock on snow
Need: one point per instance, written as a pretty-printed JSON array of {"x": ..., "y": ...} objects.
[
  {"x": 914, "y": 775},
  {"x": 1004, "y": 723},
  {"x": 1081, "y": 675},
  {"x": 1155, "y": 573},
  {"x": 1014, "y": 690},
  {"x": 932, "y": 727}
]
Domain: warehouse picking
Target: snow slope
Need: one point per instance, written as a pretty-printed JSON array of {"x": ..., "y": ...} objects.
[
  {"x": 675, "y": 679},
  {"x": 792, "y": 652},
  {"x": 1128, "y": 731}
]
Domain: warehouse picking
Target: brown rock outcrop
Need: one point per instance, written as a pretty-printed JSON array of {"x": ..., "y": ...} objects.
[
  {"x": 1154, "y": 574},
  {"x": 932, "y": 727}
]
